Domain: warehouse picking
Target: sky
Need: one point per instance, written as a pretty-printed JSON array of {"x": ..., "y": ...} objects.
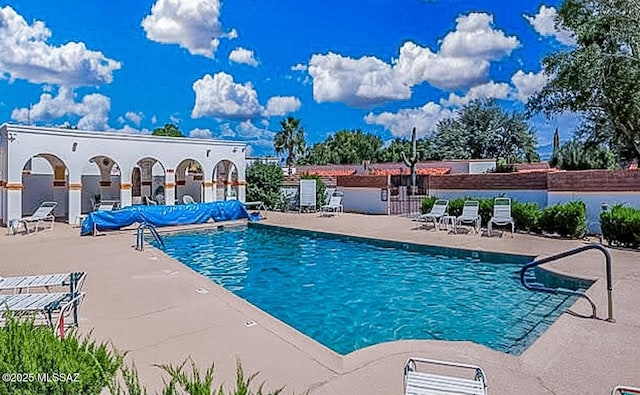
[{"x": 234, "y": 69}]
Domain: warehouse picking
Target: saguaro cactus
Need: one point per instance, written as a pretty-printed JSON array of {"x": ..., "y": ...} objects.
[{"x": 413, "y": 160}]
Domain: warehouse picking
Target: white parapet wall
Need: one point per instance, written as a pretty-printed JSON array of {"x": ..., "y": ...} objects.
[{"x": 364, "y": 200}]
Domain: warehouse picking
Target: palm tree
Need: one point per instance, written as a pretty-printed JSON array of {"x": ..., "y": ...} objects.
[{"x": 290, "y": 140}]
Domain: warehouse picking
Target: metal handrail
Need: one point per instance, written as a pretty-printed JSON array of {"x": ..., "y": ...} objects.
[
  {"x": 565, "y": 254},
  {"x": 140, "y": 235}
]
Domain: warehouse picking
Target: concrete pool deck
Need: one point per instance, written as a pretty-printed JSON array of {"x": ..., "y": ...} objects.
[{"x": 162, "y": 312}]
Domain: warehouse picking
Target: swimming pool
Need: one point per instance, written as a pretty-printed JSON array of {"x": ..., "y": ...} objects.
[{"x": 349, "y": 293}]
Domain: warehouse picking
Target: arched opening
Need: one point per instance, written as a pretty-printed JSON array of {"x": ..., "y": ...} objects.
[
  {"x": 189, "y": 180},
  {"x": 147, "y": 182},
  {"x": 100, "y": 182},
  {"x": 225, "y": 179},
  {"x": 45, "y": 178}
]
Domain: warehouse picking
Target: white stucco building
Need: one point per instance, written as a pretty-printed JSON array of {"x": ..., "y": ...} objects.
[{"x": 75, "y": 168}]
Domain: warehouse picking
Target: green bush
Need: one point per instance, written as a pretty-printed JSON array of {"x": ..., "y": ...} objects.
[
  {"x": 525, "y": 216},
  {"x": 427, "y": 204},
  {"x": 35, "y": 350},
  {"x": 263, "y": 183},
  {"x": 621, "y": 226},
  {"x": 31, "y": 350},
  {"x": 567, "y": 219}
]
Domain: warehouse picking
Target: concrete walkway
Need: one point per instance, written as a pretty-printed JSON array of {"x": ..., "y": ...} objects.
[{"x": 162, "y": 312}]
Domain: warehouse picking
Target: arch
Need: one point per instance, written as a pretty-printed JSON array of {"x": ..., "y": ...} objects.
[
  {"x": 225, "y": 180},
  {"x": 189, "y": 180},
  {"x": 101, "y": 180},
  {"x": 45, "y": 178},
  {"x": 148, "y": 179}
]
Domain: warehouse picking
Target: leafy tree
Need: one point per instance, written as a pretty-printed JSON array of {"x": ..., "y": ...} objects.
[
  {"x": 263, "y": 183},
  {"x": 393, "y": 152},
  {"x": 599, "y": 76},
  {"x": 319, "y": 154},
  {"x": 290, "y": 140},
  {"x": 168, "y": 129},
  {"x": 345, "y": 147},
  {"x": 577, "y": 155},
  {"x": 483, "y": 130}
]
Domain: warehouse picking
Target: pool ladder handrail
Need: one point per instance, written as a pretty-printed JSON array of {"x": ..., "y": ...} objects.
[
  {"x": 574, "y": 251},
  {"x": 140, "y": 235}
]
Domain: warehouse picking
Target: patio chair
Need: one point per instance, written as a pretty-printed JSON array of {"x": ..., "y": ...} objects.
[
  {"x": 18, "y": 284},
  {"x": 188, "y": 199},
  {"x": 501, "y": 215},
  {"x": 42, "y": 214},
  {"x": 625, "y": 390},
  {"x": 149, "y": 202},
  {"x": 334, "y": 206},
  {"x": 422, "y": 383},
  {"x": 107, "y": 205},
  {"x": 50, "y": 308},
  {"x": 469, "y": 215},
  {"x": 438, "y": 211}
]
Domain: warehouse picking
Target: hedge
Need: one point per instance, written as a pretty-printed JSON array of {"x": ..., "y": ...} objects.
[{"x": 621, "y": 226}]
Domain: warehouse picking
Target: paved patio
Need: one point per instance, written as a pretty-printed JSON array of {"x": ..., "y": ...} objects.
[{"x": 149, "y": 304}]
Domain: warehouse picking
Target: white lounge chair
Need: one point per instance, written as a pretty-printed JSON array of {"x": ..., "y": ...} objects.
[
  {"x": 438, "y": 211},
  {"x": 501, "y": 215},
  {"x": 47, "y": 307},
  {"x": 18, "y": 284},
  {"x": 334, "y": 206},
  {"x": 188, "y": 199},
  {"x": 625, "y": 390},
  {"x": 42, "y": 214},
  {"x": 470, "y": 215},
  {"x": 422, "y": 383},
  {"x": 107, "y": 205}
]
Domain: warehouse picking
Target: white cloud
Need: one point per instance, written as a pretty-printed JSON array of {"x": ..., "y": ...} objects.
[
  {"x": 154, "y": 120},
  {"x": 299, "y": 67},
  {"x": 544, "y": 22},
  {"x": 490, "y": 90},
  {"x": 357, "y": 82},
  {"x": 135, "y": 117},
  {"x": 93, "y": 110},
  {"x": 400, "y": 124},
  {"x": 243, "y": 55},
  {"x": 27, "y": 55},
  {"x": 192, "y": 24},
  {"x": 528, "y": 84},
  {"x": 131, "y": 130},
  {"x": 174, "y": 119},
  {"x": 201, "y": 133},
  {"x": 220, "y": 97},
  {"x": 281, "y": 105},
  {"x": 463, "y": 61}
]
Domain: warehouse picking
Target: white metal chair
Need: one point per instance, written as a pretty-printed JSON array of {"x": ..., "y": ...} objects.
[
  {"x": 42, "y": 214},
  {"x": 47, "y": 307},
  {"x": 334, "y": 206},
  {"x": 422, "y": 383},
  {"x": 18, "y": 284},
  {"x": 501, "y": 215},
  {"x": 470, "y": 215},
  {"x": 188, "y": 199},
  {"x": 438, "y": 211},
  {"x": 625, "y": 390}
]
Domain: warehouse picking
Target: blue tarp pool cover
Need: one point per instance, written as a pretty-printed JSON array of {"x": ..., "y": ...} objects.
[{"x": 183, "y": 214}]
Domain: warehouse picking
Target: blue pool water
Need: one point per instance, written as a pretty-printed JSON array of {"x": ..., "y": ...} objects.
[{"x": 350, "y": 293}]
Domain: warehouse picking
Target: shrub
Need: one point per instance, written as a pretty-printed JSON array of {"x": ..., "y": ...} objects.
[
  {"x": 567, "y": 219},
  {"x": 263, "y": 183},
  {"x": 427, "y": 204},
  {"x": 525, "y": 216},
  {"x": 32, "y": 350},
  {"x": 621, "y": 226}
]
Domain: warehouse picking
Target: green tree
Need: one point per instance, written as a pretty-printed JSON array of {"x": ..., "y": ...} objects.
[
  {"x": 168, "y": 129},
  {"x": 263, "y": 183},
  {"x": 483, "y": 130},
  {"x": 393, "y": 152},
  {"x": 345, "y": 147},
  {"x": 577, "y": 155},
  {"x": 599, "y": 76},
  {"x": 319, "y": 154},
  {"x": 290, "y": 140}
]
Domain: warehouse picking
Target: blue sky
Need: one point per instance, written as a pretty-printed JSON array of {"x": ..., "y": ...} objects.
[{"x": 234, "y": 69}]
